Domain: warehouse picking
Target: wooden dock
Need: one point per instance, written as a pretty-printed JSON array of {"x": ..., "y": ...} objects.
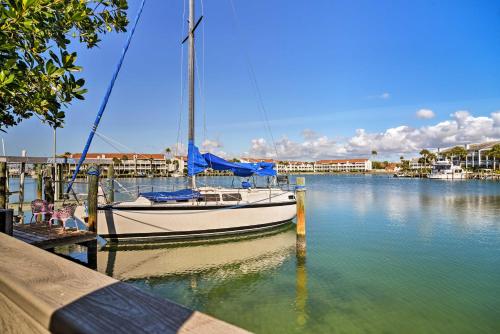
[
  {"x": 45, "y": 237},
  {"x": 41, "y": 292}
]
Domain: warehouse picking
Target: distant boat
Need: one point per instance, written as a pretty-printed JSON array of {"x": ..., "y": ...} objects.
[
  {"x": 200, "y": 211},
  {"x": 445, "y": 170}
]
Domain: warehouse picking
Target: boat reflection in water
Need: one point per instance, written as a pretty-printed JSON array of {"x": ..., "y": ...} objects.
[{"x": 250, "y": 253}]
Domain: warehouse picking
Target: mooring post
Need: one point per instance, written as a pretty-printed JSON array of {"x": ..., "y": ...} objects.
[
  {"x": 7, "y": 186},
  {"x": 300, "y": 195},
  {"x": 21, "y": 184},
  {"x": 3, "y": 185},
  {"x": 6, "y": 221},
  {"x": 48, "y": 189},
  {"x": 111, "y": 183},
  {"x": 39, "y": 181},
  {"x": 93, "y": 180},
  {"x": 60, "y": 181}
]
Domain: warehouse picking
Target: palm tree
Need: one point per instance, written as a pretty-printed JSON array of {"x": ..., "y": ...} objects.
[
  {"x": 168, "y": 151},
  {"x": 425, "y": 156},
  {"x": 494, "y": 152},
  {"x": 459, "y": 152}
]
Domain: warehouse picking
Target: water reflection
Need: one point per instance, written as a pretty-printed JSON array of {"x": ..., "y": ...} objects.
[{"x": 219, "y": 258}]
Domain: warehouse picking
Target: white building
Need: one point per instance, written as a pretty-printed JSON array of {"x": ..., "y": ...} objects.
[
  {"x": 344, "y": 165},
  {"x": 138, "y": 164}
]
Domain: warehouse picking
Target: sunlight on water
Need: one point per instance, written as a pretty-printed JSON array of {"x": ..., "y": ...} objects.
[{"x": 384, "y": 255}]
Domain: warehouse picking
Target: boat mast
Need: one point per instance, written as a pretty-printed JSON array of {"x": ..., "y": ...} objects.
[{"x": 191, "y": 81}]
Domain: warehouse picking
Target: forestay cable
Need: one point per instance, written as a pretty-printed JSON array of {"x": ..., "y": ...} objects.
[{"x": 106, "y": 97}]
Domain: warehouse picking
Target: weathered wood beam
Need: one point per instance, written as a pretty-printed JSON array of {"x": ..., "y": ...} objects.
[{"x": 49, "y": 293}]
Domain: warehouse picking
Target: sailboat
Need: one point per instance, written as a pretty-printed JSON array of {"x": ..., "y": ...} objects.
[{"x": 199, "y": 211}]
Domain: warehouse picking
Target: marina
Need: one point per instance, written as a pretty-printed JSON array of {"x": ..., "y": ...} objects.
[
  {"x": 249, "y": 167},
  {"x": 383, "y": 254}
]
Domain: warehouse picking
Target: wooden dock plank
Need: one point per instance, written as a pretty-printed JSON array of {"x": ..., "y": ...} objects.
[
  {"x": 64, "y": 297},
  {"x": 45, "y": 237}
]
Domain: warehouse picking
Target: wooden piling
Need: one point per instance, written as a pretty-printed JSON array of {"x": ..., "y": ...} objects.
[
  {"x": 49, "y": 190},
  {"x": 3, "y": 185},
  {"x": 39, "y": 181},
  {"x": 60, "y": 181},
  {"x": 21, "y": 184},
  {"x": 6, "y": 221},
  {"x": 93, "y": 180},
  {"x": 7, "y": 186},
  {"x": 300, "y": 195},
  {"x": 111, "y": 183}
]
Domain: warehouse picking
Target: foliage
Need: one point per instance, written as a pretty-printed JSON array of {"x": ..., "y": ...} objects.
[
  {"x": 36, "y": 68},
  {"x": 124, "y": 158},
  {"x": 379, "y": 164},
  {"x": 457, "y": 151},
  {"x": 427, "y": 157},
  {"x": 116, "y": 161},
  {"x": 374, "y": 152},
  {"x": 494, "y": 152}
]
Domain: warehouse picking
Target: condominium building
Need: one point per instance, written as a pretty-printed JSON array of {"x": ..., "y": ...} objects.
[
  {"x": 343, "y": 165},
  {"x": 477, "y": 155},
  {"x": 138, "y": 164}
]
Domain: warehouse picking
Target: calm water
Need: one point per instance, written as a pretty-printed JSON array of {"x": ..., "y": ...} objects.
[{"x": 384, "y": 255}]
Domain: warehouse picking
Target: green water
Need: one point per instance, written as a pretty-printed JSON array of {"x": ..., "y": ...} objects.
[{"x": 384, "y": 255}]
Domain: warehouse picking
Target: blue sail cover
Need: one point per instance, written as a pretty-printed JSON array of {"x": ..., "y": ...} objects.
[
  {"x": 240, "y": 168},
  {"x": 164, "y": 196},
  {"x": 196, "y": 162}
]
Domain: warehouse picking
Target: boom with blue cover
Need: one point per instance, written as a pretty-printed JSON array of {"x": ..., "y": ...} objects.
[{"x": 197, "y": 163}]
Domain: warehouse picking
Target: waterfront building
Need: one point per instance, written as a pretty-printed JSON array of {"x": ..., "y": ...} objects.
[
  {"x": 285, "y": 167},
  {"x": 477, "y": 155},
  {"x": 343, "y": 165},
  {"x": 130, "y": 164}
]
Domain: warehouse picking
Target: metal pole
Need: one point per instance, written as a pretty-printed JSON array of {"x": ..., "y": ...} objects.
[{"x": 191, "y": 81}]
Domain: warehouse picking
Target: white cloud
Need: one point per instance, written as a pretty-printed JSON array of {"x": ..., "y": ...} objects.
[
  {"x": 383, "y": 96},
  {"x": 461, "y": 128},
  {"x": 425, "y": 114}
]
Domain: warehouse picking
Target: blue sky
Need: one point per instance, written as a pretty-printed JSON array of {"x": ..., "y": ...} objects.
[{"x": 325, "y": 69}]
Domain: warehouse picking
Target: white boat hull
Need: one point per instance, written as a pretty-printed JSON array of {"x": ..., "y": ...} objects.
[
  {"x": 447, "y": 176},
  {"x": 146, "y": 223},
  {"x": 143, "y": 219}
]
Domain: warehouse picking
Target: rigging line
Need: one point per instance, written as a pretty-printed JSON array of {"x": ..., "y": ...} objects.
[
  {"x": 181, "y": 102},
  {"x": 203, "y": 100},
  {"x": 253, "y": 79},
  {"x": 200, "y": 90},
  {"x": 106, "y": 96},
  {"x": 109, "y": 141}
]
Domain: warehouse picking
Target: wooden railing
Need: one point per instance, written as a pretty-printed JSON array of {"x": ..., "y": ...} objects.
[{"x": 41, "y": 292}]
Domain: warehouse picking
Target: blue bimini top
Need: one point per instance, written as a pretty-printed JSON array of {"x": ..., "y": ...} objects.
[{"x": 165, "y": 196}]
